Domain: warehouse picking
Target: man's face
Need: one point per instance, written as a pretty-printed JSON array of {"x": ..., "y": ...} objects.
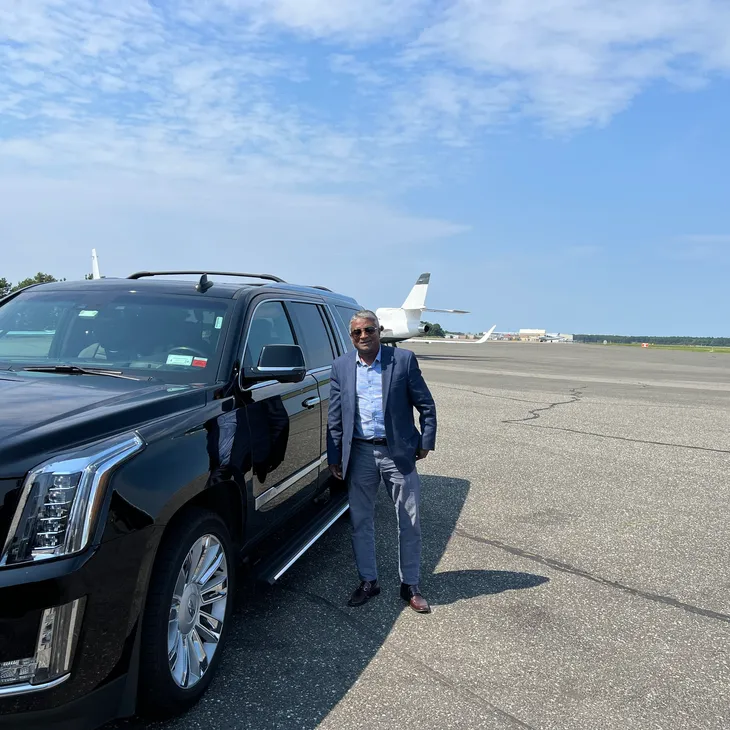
[{"x": 365, "y": 336}]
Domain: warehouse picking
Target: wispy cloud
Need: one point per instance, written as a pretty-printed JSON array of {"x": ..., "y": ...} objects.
[
  {"x": 215, "y": 83},
  {"x": 240, "y": 94},
  {"x": 701, "y": 247},
  {"x": 707, "y": 239},
  {"x": 584, "y": 251}
]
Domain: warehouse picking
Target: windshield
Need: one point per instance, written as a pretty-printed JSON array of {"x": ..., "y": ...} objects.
[{"x": 173, "y": 338}]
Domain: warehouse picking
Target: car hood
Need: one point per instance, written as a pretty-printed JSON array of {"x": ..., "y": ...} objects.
[{"x": 42, "y": 414}]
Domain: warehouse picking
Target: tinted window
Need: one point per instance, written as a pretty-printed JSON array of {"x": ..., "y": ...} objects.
[
  {"x": 312, "y": 334},
  {"x": 269, "y": 326},
  {"x": 346, "y": 314},
  {"x": 332, "y": 321},
  {"x": 119, "y": 329}
]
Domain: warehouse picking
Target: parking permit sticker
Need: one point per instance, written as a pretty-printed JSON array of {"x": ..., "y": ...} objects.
[
  {"x": 218, "y": 322},
  {"x": 200, "y": 362},
  {"x": 180, "y": 360},
  {"x": 88, "y": 313}
]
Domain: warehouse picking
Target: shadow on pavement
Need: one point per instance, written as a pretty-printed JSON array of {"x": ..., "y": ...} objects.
[{"x": 295, "y": 649}]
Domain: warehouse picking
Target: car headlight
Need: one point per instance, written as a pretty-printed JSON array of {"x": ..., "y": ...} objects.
[{"x": 61, "y": 500}]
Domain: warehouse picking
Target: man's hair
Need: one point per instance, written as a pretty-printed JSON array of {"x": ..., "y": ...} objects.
[{"x": 365, "y": 314}]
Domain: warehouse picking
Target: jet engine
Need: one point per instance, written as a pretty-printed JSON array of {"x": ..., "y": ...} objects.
[{"x": 423, "y": 329}]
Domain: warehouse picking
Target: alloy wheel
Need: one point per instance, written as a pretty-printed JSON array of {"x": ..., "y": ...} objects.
[{"x": 197, "y": 611}]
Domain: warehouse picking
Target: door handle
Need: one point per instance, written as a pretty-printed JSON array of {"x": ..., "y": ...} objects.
[{"x": 311, "y": 402}]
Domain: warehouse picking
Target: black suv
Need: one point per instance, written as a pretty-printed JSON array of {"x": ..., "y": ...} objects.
[{"x": 153, "y": 430}]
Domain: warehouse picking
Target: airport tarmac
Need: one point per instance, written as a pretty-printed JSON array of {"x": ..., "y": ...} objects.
[{"x": 575, "y": 523}]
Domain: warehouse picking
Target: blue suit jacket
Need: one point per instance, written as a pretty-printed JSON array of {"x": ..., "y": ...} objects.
[{"x": 403, "y": 390}]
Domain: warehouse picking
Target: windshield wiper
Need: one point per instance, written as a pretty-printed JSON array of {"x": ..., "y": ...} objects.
[{"x": 76, "y": 370}]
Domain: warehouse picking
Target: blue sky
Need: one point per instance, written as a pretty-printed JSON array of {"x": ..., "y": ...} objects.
[{"x": 561, "y": 164}]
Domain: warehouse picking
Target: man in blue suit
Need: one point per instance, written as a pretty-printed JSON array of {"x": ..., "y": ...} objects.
[{"x": 371, "y": 435}]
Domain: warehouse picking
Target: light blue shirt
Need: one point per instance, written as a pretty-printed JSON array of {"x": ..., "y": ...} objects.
[{"x": 369, "y": 416}]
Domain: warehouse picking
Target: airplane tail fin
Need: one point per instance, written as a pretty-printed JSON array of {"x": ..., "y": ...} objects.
[
  {"x": 417, "y": 298},
  {"x": 94, "y": 265},
  {"x": 487, "y": 335}
]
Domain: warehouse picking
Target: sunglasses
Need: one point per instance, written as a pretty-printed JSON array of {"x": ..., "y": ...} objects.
[{"x": 369, "y": 330}]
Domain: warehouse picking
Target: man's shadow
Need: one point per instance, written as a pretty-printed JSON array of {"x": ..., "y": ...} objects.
[{"x": 295, "y": 649}]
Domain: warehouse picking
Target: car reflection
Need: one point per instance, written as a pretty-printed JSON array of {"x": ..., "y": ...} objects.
[{"x": 251, "y": 437}]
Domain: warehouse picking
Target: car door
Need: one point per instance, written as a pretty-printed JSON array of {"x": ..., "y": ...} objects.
[
  {"x": 318, "y": 340},
  {"x": 284, "y": 420}
]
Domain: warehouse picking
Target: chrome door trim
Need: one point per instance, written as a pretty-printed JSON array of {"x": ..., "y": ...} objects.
[
  {"x": 275, "y": 491},
  {"x": 314, "y": 539}
]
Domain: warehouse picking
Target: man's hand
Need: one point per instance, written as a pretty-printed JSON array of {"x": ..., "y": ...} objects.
[
  {"x": 336, "y": 471},
  {"x": 422, "y": 454}
]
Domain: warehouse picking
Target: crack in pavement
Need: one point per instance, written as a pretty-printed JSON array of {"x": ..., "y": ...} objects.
[
  {"x": 572, "y": 570},
  {"x": 535, "y": 412},
  {"x": 409, "y": 658},
  {"x": 487, "y": 395},
  {"x": 576, "y": 398},
  {"x": 627, "y": 438}
]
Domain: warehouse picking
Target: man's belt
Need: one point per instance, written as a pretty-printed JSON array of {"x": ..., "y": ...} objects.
[{"x": 375, "y": 442}]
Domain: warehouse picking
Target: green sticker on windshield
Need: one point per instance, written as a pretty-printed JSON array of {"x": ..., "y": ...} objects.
[
  {"x": 88, "y": 312},
  {"x": 218, "y": 322}
]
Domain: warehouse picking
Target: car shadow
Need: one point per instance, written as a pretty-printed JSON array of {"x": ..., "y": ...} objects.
[{"x": 295, "y": 649}]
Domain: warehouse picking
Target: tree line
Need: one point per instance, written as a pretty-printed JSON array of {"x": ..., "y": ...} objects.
[
  {"x": 630, "y": 339},
  {"x": 7, "y": 287}
]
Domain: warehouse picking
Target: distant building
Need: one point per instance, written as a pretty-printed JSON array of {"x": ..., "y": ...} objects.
[{"x": 530, "y": 334}]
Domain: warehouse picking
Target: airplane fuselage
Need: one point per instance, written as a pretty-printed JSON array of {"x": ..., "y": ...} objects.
[{"x": 400, "y": 324}]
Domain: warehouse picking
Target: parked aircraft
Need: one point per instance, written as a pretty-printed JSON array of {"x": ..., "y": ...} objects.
[{"x": 402, "y": 323}]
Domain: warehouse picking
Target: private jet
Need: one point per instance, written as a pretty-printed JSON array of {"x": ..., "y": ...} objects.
[{"x": 398, "y": 324}]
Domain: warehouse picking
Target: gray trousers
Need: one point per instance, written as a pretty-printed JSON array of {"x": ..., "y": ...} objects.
[{"x": 368, "y": 464}]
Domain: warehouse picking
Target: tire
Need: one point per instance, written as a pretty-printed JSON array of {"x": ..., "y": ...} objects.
[{"x": 172, "y": 680}]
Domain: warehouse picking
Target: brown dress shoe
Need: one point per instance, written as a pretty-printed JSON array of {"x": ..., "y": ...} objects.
[
  {"x": 412, "y": 595},
  {"x": 364, "y": 592}
]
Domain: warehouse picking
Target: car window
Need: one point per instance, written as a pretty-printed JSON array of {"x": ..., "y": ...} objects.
[
  {"x": 269, "y": 326},
  {"x": 346, "y": 314},
  {"x": 123, "y": 330},
  {"x": 312, "y": 334}
]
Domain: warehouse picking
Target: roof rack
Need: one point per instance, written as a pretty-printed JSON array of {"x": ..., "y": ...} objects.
[
  {"x": 323, "y": 288},
  {"x": 141, "y": 274}
]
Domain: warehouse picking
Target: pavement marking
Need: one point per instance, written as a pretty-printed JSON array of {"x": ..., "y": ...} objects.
[
  {"x": 677, "y": 384},
  {"x": 567, "y": 568}
]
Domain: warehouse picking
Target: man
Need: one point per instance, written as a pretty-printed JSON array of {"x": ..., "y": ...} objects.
[{"x": 371, "y": 435}]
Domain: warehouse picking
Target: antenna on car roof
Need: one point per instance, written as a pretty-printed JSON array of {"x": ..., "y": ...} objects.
[{"x": 204, "y": 284}]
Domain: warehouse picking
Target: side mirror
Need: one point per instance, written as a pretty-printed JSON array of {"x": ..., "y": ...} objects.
[{"x": 284, "y": 363}]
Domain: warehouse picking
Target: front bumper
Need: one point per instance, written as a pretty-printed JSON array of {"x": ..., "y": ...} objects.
[{"x": 108, "y": 584}]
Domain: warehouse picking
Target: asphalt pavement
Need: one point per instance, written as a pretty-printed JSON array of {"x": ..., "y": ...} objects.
[{"x": 575, "y": 523}]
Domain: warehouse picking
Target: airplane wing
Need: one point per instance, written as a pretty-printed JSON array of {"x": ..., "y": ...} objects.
[
  {"x": 448, "y": 311},
  {"x": 445, "y": 341}
]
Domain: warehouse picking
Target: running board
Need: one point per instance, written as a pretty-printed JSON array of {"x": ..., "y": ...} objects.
[{"x": 271, "y": 568}]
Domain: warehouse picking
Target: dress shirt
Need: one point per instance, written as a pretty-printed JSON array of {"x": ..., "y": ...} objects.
[{"x": 369, "y": 416}]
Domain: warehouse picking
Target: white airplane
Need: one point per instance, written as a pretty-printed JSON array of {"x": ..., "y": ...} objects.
[
  {"x": 448, "y": 341},
  {"x": 403, "y": 323}
]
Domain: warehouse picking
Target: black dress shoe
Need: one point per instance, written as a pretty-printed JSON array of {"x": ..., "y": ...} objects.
[
  {"x": 412, "y": 596},
  {"x": 364, "y": 592}
]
